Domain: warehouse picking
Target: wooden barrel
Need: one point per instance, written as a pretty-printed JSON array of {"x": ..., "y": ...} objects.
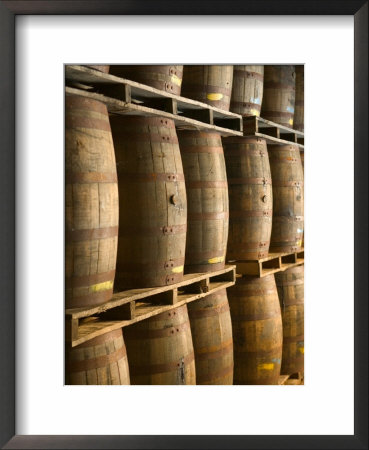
[
  {"x": 165, "y": 78},
  {"x": 160, "y": 349},
  {"x": 152, "y": 202},
  {"x": 298, "y": 121},
  {"x": 290, "y": 285},
  {"x": 279, "y": 94},
  {"x": 250, "y": 197},
  {"x": 257, "y": 330},
  {"x": 208, "y": 84},
  {"x": 207, "y": 200},
  {"x": 211, "y": 329},
  {"x": 91, "y": 203},
  {"x": 302, "y": 159},
  {"x": 101, "y": 68},
  {"x": 247, "y": 91},
  {"x": 102, "y": 360},
  {"x": 288, "y": 198}
]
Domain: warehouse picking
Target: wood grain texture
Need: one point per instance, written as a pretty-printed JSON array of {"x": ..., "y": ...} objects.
[
  {"x": 152, "y": 203},
  {"x": 160, "y": 349},
  {"x": 100, "y": 361},
  {"x": 247, "y": 91},
  {"x": 100, "y": 67},
  {"x": 208, "y": 84},
  {"x": 288, "y": 198},
  {"x": 298, "y": 121},
  {"x": 250, "y": 197},
  {"x": 91, "y": 203},
  {"x": 207, "y": 200},
  {"x": 290, "y": 285},
  {"x": 257, "y": 330},
  {"x": 211, "y": 330},
  {"x": 279, "y": 94},
  {"x": 165, "y": 78}
]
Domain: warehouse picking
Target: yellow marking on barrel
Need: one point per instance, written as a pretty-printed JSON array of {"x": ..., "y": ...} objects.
[
  {"x": 215, "y": 260},
  {"x": 254, "y": 112},
  {"x": 176, "y": 80},
  {"x": 177, "y": 269},
  {"x": 290, "y": 121},
  {"x": 102, "y": 286},
  {"x": 269, "y": 366},
  {"x": 301, "y": 350},
  {"x": 214, "y": 96}
]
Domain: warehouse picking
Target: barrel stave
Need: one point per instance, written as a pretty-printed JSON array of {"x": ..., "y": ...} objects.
[{"x": 247, "y": 90}]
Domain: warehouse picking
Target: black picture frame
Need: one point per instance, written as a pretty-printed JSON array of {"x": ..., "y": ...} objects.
[{"x": 8, "y": 12}]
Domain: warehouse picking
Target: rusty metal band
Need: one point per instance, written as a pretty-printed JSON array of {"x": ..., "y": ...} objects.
[
  {"x": 181, "y": 313},
  {"x": 76, "y": 122},
  {"x": 251, "y": 245},
  {"x": 214, "y": 375},
  {"x": 141, "y": 333},
  {"x": 298, "y": 282},
  {"x": 235, "y": 181},
  {"x": 215, "y": 351},
  {"x": 168, "y": 177},
  {"x": 152, "y": 369},
  {"x": 155, "y": 266},
  {"x": 287, "y": 115},
  {"x": 97, "y": 362},
  {"x": 246, "y": 152},
  {"x": 284, "y": 247},
  {"x": 281, "y": 183},
  {"x": 208, "y": 312},
  {"x": 91, "y": 234},
  {"x": 87, "y": 280},
  {"x": 93, "y": 299},
  {"x": 83, "y": 104},
  {"x": 201, "y": 149},
  {"x": 274, "y": 352},
  {"x": 198, "y": 88},
  {"x": 275, "y": 85},
  {"x": 126, "y": 230},
  {"x": 204, "y": 254},
  {"x": 206, "y": 184},
  {"x": 248, "y": 292},
  {"x": 103, "y": 339},
  {"x": 293, "y": 302},
  {"x": 207, "y": 216},
  {"x": 203, "y": 267},
  {"x": 246, "y": 142},
  {"x": 127, "y": 124},
  {"x": 241, "y": 214},
  {"x": 90, "y": 177},
  {"x": 274, "y": 157},
  {"x": 239, "y": 73},
  {"x": 143, "y": 71},
  {"x": 130, "y": 138},
  {"x": 134, "y": 280},
  {"x": 293, "y": 339},
  {"x": 282, "y": 219},
  {"x": 253, "y": 317},
  {"x": 250, "y": 105}
]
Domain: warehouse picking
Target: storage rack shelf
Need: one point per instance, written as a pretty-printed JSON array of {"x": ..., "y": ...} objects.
[
  {"x": 272, "y": 132},
  {"x": 273, "y": 263},
  {"x": 296, "y": 379},
  {"x": 128, "y": 307},
  {"x": 124, "y": 97}
]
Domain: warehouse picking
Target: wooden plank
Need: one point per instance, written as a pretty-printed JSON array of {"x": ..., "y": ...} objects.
[
  {"x": 282, "y": 379},
  {"x": 120, "y": 107},
  {"x": 121, "y": 298},
  {"x": 273, "y": 140},
  {"x": 92, "y": 327}
]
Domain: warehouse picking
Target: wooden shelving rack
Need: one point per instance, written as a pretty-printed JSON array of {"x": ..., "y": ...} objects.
[
  {"x": 131, "y": 306},
  {"x": 126, "y": 97}
]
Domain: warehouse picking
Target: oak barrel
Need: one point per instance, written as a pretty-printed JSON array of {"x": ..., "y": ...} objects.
[
  {"x": 91, "y": 203},
  {"x": 247, "y": 91},
  {"x": 165, "y": 78},
  {"x": 211, "y": 329},
  {"x": 290, "y": 285},
  {"x": 279, "y": 94},
  {"x": 298, "y": 121},
  {"x": 102, "y": 360},
  {"x": 160, "y": 349},
  {"x": 100, "y": 67},
  {"x": 250, "y": 197},
  {"x": 207, "y": 200},
  {"x": 208, "y": 84},
  {"x": 152, "y": 202},
  {"x": 288, "y": 198},
  {"x": 257, "y": 330}
]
